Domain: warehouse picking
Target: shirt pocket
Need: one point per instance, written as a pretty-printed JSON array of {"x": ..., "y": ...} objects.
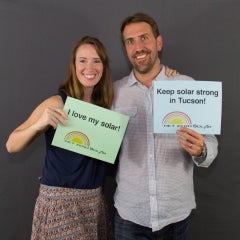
[{"x": 129, "y": 111}]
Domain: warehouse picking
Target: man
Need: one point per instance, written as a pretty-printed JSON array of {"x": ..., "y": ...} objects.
[{"x": 154, "y": 195}]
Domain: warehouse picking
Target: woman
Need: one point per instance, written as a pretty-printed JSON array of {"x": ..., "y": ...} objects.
[{"x": 70, "y": 204}]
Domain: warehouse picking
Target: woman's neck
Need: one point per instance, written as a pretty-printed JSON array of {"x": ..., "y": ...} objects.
[{"x": 88, "y": 94}]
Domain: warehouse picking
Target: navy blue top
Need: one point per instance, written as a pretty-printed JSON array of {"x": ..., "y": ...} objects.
[{"x": 64, "y": 168}]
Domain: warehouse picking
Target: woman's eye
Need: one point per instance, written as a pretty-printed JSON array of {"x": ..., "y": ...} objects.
[
  {"x": 97, "y": 61},
  {"x": 82, "y": 61}
]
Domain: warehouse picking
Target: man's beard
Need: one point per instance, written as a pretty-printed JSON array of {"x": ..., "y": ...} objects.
[{"x": 144, "y": 67}]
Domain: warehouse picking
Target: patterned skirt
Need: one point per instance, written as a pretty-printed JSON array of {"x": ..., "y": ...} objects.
[{"x": 66, "y": 213}]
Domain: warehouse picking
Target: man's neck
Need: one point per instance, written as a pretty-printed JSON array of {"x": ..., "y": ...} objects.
[{"x": 147, "y": 78}]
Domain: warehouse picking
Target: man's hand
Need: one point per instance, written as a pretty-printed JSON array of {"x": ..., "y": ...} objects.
[{"x": 191, "y": 141}]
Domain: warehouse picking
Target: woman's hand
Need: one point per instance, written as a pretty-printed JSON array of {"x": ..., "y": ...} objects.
[
  {"x": 51, "y": 116},
  {"x": 169, "y": 72}
]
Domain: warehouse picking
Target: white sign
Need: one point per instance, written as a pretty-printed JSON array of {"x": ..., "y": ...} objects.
[{"x": 194, "y": 104}]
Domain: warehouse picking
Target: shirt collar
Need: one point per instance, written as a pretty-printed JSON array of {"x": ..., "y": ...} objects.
[
  {"x": 132, "y": 79},
  {"x": 161, "y": 74}
]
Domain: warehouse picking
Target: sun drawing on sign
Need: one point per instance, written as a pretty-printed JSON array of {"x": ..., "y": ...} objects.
[
  {"x": 176, "y": 118},
  {"x": 77, "y": 138}
]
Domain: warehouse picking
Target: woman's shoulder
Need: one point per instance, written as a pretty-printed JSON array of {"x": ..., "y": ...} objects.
[{"x": 54, "y": 101}]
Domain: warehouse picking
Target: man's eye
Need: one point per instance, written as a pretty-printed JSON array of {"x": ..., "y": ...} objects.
[
  {"x": 143, "y": 38},
  {"x": 129, "y": 42}
]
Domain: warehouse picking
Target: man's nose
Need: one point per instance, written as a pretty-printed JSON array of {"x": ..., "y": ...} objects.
[{"x": 139, "y": 45}]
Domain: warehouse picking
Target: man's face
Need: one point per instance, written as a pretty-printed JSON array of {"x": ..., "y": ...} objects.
[{"x": 141, "y": 46}]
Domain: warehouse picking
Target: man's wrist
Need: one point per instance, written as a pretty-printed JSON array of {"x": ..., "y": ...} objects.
[{"x": 204, "y": 152}]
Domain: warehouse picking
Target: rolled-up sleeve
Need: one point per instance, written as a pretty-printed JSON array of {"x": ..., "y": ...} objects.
[{"x": 212, "y": 151}]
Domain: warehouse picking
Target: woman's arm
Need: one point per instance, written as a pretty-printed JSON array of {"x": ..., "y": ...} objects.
[{"x": 46, "y": 114}]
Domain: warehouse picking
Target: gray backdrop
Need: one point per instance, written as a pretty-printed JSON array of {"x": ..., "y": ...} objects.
[{"x": 201, "y": 40}]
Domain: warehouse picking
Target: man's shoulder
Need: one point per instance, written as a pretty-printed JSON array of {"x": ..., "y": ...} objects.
[
  {"x": 121, "y": 82},
  {"x": 181, "y": 77}
]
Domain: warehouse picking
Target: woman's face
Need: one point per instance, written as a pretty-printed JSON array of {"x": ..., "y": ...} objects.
[{"x": 88, "y": 65}]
